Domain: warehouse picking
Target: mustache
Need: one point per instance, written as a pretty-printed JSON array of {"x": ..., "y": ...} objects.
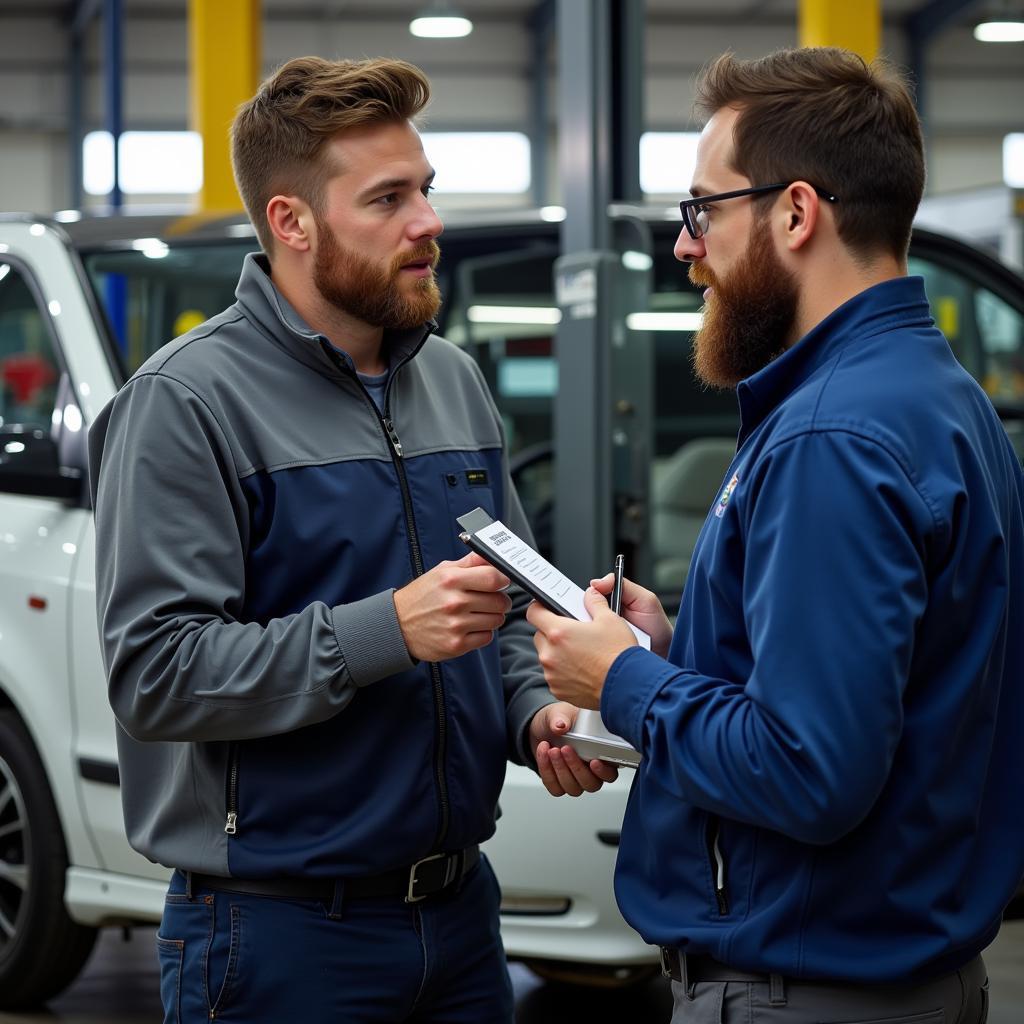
[
  {"x": 701, "y": 276},
  {"x": 429, "y": 251}
]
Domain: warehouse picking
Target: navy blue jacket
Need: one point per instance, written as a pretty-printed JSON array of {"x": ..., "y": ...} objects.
[{"x": 833, "y": 755}]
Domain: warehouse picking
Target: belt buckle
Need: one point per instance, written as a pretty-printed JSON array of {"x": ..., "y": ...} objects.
[{"x": 410, "y": 895}]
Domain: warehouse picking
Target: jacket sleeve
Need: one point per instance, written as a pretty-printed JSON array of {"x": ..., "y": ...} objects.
[
  {"x": 171, "y": 536},
  {"x": 834, "y": 587},
  {"x": 526, "y": 692}
]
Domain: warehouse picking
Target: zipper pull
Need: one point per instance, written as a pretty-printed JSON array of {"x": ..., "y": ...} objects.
[
  {"x": 393, "y": 437},
  {"x": 232, "y": 826}
]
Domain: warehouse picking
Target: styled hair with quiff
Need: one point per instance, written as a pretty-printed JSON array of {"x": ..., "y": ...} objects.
[
  {"x": 824, "y": 116},
  {"x": 278, "y": 138}
]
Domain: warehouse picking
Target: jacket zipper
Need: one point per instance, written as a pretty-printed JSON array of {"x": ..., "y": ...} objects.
[
  {"x": 231, "y": 826},
  {"x": 396, "y": 452},
  {"x": 717, "y": 861}
]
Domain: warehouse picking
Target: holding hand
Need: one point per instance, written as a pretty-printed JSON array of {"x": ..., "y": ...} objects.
[
  {"x": 576, "y": 655},
  {"x": 643, "y": 609},
  {"x": 561, "y": 769},
  {"x": 452, "y": 609}
]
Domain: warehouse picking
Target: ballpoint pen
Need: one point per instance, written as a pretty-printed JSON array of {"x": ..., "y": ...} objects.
[{"x": 616, "y": 601}]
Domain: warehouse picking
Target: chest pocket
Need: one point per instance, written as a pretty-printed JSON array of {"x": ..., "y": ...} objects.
[{"x": 467, "y": 488}]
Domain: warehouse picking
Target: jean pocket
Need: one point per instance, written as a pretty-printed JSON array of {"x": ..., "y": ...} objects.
[
  {"x": 171, "y": 954},
  {"x": 234, "y": 945}
]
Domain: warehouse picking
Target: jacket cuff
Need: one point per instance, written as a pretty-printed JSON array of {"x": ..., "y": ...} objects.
[
  {"x": 370, "y": 638},
  {"x": 633, "y": 681},
  {"x": 518, "y": 715}
]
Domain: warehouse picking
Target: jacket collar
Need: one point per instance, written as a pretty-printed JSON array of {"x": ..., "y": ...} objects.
[
  {"x": 260, "y": 300},
  {"x": 899, "y": 302}
]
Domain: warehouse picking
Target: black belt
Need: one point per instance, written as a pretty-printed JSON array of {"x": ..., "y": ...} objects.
[
  {"x": 424, "y": 878},
  {"x": 701, "y": 967}
]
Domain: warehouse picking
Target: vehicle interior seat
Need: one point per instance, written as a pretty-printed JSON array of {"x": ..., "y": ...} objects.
[{"x": 684, "y": 487}]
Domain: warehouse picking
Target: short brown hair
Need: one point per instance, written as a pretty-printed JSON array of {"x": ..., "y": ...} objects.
[
  {"x": 824, "y": 116},
  {"x": 278, "y": 137}
]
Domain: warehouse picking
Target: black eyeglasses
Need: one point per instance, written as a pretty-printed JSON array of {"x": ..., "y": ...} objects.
[{"x": 695, "y": 211}]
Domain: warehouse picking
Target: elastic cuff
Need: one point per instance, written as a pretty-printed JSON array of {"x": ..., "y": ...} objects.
[
  {"x": 519, "y": 715},
  {"x": 370, "y": 638},
  {"x": 632, "y": 683}
]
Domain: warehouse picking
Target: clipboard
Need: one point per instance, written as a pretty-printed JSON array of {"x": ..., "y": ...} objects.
[
  {"x": 478, "y": 538},
  {"x": 494, "y": 541}
]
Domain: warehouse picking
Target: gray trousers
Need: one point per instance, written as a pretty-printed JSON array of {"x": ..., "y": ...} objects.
[{"x": 958, "y": 998}]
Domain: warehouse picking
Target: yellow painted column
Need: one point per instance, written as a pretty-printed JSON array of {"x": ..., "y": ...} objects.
[
  {"x": 224, "y": 70},
  {"x": 852, "y": 24}
]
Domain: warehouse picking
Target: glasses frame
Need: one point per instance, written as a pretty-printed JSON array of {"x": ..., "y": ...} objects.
[{"x": 687, "y": 206}]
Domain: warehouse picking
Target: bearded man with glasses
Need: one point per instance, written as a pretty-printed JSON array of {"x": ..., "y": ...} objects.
[{"x": 825, "y": 823}]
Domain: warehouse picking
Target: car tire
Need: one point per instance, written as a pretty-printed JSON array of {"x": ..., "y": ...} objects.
[{"x": 41, "y": 949}]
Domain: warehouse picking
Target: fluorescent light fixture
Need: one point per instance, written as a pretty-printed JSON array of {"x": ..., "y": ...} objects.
[
  {"x": 667, "y": 161},
  {"x": 1013, "y": 159},
  {"x": 439, "y": 21},
  {"x": 633, "y": 260},
  {"x": 151, "y": 163},
  {"x": 999, "y": 32},
  {"x": 514, "y": 315},
  {"x": 153, "y": 248},
  {"x": 664, "y": 321},
  {"x": 67, "y": 216},
  {"x": 553, "y": 214},
  {"x": 478, "y": 162}
]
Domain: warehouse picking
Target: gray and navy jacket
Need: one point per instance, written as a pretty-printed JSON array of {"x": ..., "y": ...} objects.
[{"x": 254, "y": 514}]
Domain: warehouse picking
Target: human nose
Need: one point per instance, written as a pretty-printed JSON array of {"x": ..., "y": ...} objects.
[
  {"x": 688, "y": 249},
  {"x": 426, "y": 223}
]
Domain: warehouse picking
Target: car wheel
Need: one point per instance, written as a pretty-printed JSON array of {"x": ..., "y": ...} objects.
[{"x": 41, "y": 949}]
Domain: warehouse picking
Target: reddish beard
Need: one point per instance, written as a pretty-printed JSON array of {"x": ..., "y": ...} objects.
[
  {"x": 747, "y": 316},
  {"x": 361, "y": 288}
]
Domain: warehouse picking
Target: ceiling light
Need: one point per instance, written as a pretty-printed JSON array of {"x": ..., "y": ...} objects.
[
  {"x": 439, "y": 21},
  {"x": 999, "y": 32}
]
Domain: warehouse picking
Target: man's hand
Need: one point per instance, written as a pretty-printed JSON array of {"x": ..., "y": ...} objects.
[
  {"x": 452, "y": 609},
  {"x": 576, "y": 655},
  {"x": 561, "y": 769},
  {"x": 643, "y": 609}
]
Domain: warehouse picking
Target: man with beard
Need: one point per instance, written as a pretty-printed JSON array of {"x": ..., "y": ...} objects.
[
  {"x": 825, "y": 823},
  {"x": 315, "y": 691}
]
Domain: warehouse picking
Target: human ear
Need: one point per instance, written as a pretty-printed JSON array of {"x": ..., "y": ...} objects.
[
  {"x": 800, "y": 208},
  {"x": 291, "y": 222}
]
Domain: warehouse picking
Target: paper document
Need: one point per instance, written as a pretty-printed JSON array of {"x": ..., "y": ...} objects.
[{"x": 494, "y": 541}]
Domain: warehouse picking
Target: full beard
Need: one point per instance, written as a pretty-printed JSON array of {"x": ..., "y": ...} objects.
[
  {"x": 378, "y": 297},
  {"x": 747, "y": 317}
]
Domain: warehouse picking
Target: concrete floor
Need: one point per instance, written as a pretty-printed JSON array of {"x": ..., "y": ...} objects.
[{"x": 119, "y": 986}]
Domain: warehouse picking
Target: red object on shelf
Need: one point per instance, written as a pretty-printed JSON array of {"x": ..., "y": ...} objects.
[{"x": 25, "y": 374}]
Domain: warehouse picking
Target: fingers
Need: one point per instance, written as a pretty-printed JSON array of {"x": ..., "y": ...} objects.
[
  {"x": 605, "y": 584},
  {"x": 564, "y": 773}
]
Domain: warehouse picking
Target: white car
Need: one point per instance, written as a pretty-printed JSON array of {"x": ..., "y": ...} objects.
[{"x": 81, "y": 306}]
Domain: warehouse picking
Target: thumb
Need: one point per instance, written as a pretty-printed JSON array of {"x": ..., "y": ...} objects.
[
  {"x": 558, "y": 720},
  {"x": 595, "y": 603}
]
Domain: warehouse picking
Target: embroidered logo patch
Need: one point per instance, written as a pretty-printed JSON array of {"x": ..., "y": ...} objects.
[
  {"x": 476, "y": 477},
  {"x": 726, "y": 495}
]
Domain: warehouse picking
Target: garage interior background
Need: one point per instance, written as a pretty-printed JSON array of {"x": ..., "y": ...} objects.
[{"x": 501, "y": 77}]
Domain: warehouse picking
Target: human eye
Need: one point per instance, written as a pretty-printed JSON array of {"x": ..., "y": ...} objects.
[{"x": 390, "y": 199}]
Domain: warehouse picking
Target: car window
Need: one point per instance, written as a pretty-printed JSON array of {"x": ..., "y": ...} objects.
[
  {"x": 158, "y": 292},
  {"x": 29, "y": 371}
]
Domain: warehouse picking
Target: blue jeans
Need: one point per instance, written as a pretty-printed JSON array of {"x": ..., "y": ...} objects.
[{"x": 228, "y": 956}]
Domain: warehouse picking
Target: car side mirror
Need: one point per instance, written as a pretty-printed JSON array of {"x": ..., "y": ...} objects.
[{"x": 29, "y": 464}]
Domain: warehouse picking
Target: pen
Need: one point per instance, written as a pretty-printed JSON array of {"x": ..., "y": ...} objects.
[{"x": 616, "y": 602}]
